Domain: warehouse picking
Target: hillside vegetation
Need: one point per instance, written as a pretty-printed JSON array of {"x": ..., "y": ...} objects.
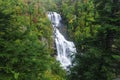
[{"x": 26, "y": 42}]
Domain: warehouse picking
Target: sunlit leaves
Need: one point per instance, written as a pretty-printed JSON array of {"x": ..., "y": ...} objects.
[{"x": 25, "y": 41}]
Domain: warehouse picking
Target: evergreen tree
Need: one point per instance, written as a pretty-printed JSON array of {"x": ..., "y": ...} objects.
[
  {"x": 25, "y": 47},
  {"x": 95, "y": 31}
]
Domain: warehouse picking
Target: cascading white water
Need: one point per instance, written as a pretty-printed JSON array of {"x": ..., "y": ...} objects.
[
  {"x": 65, "y": 49},
  {"x": 55, "y": 18}
]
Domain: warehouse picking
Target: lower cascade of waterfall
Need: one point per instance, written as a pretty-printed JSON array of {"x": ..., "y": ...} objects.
[{"x": 65, "y": 49}]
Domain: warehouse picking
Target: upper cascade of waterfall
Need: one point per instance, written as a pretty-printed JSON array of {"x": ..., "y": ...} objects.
[
  {"x": 65, "y": 49},
  {"x": 55, "y": 18}
]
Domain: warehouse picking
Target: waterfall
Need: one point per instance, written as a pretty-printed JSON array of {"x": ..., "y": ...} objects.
[{"x": 65, "y": 49}]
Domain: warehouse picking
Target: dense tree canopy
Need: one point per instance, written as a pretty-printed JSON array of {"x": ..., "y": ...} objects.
[
  {"x": 94, "y": 25},
  {"x": 26, "y": 44}
]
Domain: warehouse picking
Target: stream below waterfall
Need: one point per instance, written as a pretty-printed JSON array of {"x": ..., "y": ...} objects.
[{"x": 65, "y": 49}]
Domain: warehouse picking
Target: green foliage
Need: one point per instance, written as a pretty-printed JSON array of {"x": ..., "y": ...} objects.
[
  {"x": 25, "y": 43},
  {"x": 92, "y": 65},
  {"x": 95, "y": 28}
]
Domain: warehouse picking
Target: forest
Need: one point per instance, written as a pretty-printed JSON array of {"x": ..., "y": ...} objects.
[{"x": 27, "y": 50}]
